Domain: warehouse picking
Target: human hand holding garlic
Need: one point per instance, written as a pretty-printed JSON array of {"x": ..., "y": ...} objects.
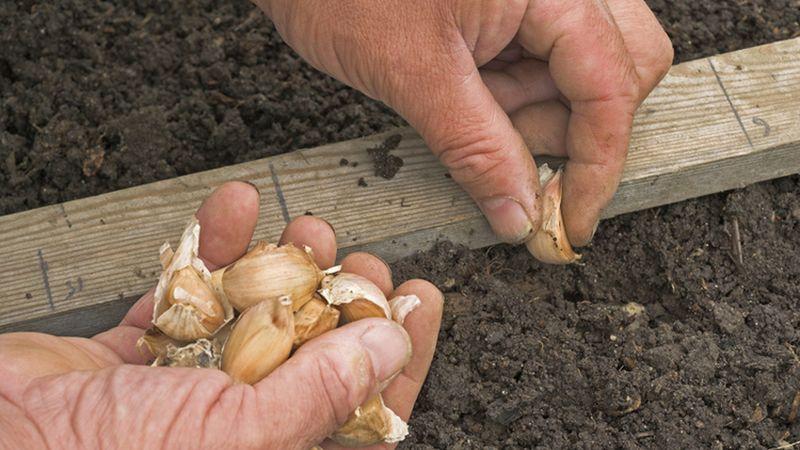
[
  {"x": 74, "y": 392},
  {"x": 487, "y": 84}
]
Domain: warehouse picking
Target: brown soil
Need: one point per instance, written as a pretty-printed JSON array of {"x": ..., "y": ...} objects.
[
  {"x": 386, "y": 164},
  {"x": 658, "y": 340},
  {"x": 98, "y": 96}
]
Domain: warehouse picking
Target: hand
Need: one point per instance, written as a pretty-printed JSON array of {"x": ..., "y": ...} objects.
[
  {"x": 487, "y": 83},
  {"x": 62, "y": 392}
]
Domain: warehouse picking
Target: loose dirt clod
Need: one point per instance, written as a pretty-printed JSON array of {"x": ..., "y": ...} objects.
[{"x": 386, "y": 164}]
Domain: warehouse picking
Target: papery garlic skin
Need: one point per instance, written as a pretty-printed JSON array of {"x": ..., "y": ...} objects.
[
  {"x": 402, "y": 306},
  {"x": 203, "y": 353},
  {"x": 260, "y": 341},
  {"x": 549, "y": 244},
  {"x": 313, "y": 319},
  {"x": 186, "y": 307},
  {"x": 355, "y": 296},
  {"x": 268, "y": 272},
  {"x": 371, "y": 423}
]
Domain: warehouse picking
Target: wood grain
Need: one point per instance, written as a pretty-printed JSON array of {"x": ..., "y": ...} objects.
[{"x": 713, "y": 124}]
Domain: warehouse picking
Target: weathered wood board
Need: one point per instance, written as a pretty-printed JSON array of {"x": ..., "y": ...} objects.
[{"x": 713, "y": 124}]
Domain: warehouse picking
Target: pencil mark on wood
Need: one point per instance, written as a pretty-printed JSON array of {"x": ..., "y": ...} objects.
[
  {"x": 730, "y": 102},
  {"x": 64, "y": 214},
  {"x": 72, "y": 290},
  {"x": 759, "y": 121},
  {"x": 279, "y": 194},
  {"x": 45, "y": 279}
]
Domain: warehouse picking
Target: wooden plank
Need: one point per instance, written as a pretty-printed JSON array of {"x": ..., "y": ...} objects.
[{"x": 73, "y": 268}]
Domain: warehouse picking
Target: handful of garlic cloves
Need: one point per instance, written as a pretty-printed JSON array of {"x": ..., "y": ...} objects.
[{"x": 247, "y": 318}]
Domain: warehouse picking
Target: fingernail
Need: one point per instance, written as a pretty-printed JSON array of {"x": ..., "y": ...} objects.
[
  {"x": 329, "y": 224},
  {"x": 258, "y": 191},
  {"x": 508, "y": 219},
  {"x": 389, "y": 349},
  {"x": 388, "y": 267}
]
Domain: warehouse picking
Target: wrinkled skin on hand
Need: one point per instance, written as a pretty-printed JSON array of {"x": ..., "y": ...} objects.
[
  {"x": 488, "y": 83},
  {"x": 63, "y": 392}
]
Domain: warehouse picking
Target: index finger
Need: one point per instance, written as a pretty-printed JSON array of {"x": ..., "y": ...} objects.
[{"x": 593, "y": 70}]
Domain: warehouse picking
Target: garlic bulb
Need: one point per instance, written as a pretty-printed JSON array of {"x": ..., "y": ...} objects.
[
  {"x": 260, "y": 341},
  {"x": 186, "y": 307},
  {"x": 371, "y": 423},
  {"x": 268, "y": 272},
  {"x": 313, "y": 319},
  {"x": 355, "y": 296},
  {"x": 549, "y": 244}
]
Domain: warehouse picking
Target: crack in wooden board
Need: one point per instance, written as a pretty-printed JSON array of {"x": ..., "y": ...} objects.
[{"x": 101, "y": 252}]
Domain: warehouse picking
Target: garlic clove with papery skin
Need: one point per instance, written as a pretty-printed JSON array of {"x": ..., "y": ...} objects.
[
  {"x": 186, "y": 307},
  {"x": 355, "y": 296},
  {"x": 269, "y": 272},
  {"x": 313, "y": 319},
  {"x": 371, "y": 423},
  {"x": 402, "y": 306},
  {"x": 549, "y": 243},
  {"x": 260, "y": 340}
]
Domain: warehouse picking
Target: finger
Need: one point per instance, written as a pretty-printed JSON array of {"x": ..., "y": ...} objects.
[
  {"x": 227, "y": 220},
  {"x": 315, "y": 233},
  {"x": 592, "y": 68},
  {"x": 647, "y": 42},
  {"x": 32, "y": 355},
  {"x": 327, "y": 379},
  {"x": 370, "y": 267},
  {"x": 422, "y": 325},
  {"x": 543, "y": 126},
  {"x": 471, "y": 134},
  {"x": 520, "y": 83}
]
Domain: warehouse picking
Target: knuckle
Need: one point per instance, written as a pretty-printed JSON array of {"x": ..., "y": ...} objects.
[
  {"x": 471, "y": 157},
  {"x": 665, "y": 51}
]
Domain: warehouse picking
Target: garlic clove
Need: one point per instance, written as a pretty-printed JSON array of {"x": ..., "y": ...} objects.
[
  {"x": 260, "y": 340},
  {"x": 371, "y": 423},
  {"x": 268, "y": 272},
  {"x": 549, "y": 244},
  {"x": 402, "y": 306},
  {"x": 186, "y": 307},
  {"x": 313, "y": 319},
  {"x": 355, "y": 296},
  {"x": 195, "y": 310}
]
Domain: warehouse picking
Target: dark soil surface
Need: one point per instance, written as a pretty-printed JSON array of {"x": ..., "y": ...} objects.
[
  {"x": 99, "y": 96},
  {"x": 659, "y": 339}
]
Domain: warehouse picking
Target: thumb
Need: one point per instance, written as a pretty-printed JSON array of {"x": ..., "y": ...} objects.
[
  {"x": 328, "y": 378},
  {"x": 474, "y": 138}
]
